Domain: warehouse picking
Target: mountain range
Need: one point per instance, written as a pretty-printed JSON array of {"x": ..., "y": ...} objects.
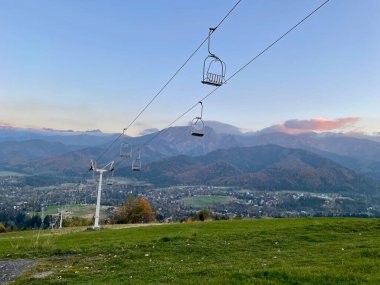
[
  {"x": 265, "y": 167},
  {"x": 224, "y": 156}
]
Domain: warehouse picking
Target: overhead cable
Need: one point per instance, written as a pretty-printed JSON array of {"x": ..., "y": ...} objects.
[
  {"x": 167, "y": 83},
  {"x": 238, "y": 71}
]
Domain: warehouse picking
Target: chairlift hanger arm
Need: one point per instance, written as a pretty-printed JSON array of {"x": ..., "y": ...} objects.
[
  {"x": 139, "y": 152},
  {"x": 201, "y": 103},
  {"x": 211, "y": 31}
]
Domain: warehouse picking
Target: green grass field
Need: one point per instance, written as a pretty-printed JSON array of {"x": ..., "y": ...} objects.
[
  {"x": 76, "y": 210},
  {"x": 276, "y": 251},
  {"x": 205, "y": 201}
]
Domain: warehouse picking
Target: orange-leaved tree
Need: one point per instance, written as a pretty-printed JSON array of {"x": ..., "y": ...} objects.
[{"x": 134, "y": 211}]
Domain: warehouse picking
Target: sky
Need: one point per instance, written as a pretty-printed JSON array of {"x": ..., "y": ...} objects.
[{"x": 84, "y": 65}]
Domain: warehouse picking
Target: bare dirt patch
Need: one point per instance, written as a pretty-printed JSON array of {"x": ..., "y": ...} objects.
[{"x": 11, "y": 269}]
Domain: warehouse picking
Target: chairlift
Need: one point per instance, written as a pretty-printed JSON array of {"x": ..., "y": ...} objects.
[
  {"x": 197, "y": 125},
  {"x": 111, "y": 180},
  {"x": 125, "y": 149},
  {"x": 136, "y": 163},
  {"x": 214, "y": 69}
]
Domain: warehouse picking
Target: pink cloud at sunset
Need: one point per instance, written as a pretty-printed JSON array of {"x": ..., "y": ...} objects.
[{"x": 312, "y": 125}]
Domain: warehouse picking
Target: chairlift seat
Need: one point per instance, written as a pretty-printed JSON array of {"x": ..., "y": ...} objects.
[
  {"x": 125, "y": 150},
  {"x": 197, "y": 127},
  {"x": 213, "y": 79},
  {"x": 136, "y": 164},
  {"x": 196, "y": 134}
]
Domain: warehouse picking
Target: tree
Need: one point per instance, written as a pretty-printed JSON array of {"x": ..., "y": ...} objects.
[
  {"x": 123, "y": 213},
  {"x": 134, "y": 211},
  {"x": 47, "y": 221},
  {"x": 202, "y": 215},
  {"x": 141, "y": 211},
  {"x": 21, "y": 220},
  {"x": 35, "y": 221},
  {"x": 2, "y": 228}
]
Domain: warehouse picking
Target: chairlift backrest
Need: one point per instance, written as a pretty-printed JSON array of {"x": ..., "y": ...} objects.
[
  {"x": 197, "y": 127},
  {"x": 213, "y": 71},
  {"x": 125, "y": 150},
  {"x": 136, "y": 163},
  {"x": 110, "y": 179}
]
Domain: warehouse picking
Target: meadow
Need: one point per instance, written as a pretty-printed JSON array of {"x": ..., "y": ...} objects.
[
  {"x": 266, "y": 251},
  {"x": 76, "y": 210}
]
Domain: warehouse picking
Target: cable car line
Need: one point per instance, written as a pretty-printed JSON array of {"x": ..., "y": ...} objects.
[
  {"x": 161, "y": 90},
  {"x": 228, "y": 79},
  {"x": 238, "y": 71},
  {"x": 168, "y": 82},
  {"x": 182, "y": 66}
]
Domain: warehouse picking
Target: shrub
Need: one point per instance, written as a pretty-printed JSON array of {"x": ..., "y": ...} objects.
[
  {"x": 202, "y": 215},
  {"x": 134, "y": 211}
]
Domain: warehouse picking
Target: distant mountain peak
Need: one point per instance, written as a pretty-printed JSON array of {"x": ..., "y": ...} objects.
[
  {"x": 57, "y": 131},
  {"x": 148, "y": 131},
  {"x": 94, "y": 131},
  {"x": 223, "y": 128}
]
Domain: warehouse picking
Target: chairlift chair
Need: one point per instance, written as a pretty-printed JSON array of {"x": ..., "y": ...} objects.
[
  {"x": 136, "y": 163},
  {"x": 197, "y": 125},
  {"x": 110, "y": 180},
  {"x": 125, "y": 149},
  {"x": 214, "y": 69}
]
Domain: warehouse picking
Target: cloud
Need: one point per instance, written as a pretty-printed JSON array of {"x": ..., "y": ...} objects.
[
  {"x": 311, "y": 125},
  {"x": 320, "y": 124},
  {"x": 5, "y": 126}
]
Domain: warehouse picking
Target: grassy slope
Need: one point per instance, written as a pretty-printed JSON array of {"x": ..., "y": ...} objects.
[
  {"x": 76, "y": 210},
  {"x": 278, "y": 251}
]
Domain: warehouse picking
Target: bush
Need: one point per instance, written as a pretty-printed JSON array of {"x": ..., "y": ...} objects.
[
  {"x": 2, "y": 228},
  {"x": 134, "y": 211},
  {"x": 202, "y": 215}
]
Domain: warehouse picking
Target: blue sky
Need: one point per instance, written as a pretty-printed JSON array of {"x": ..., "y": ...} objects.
[{"x": 95, "y": 64}]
